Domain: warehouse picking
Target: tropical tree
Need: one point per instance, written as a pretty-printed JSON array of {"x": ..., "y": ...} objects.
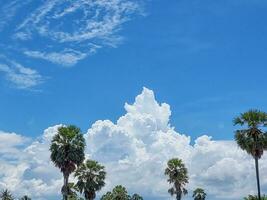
[
  {"x": 255, "y": 197},
  {"x": 107, "y": 196},
  {"x": 199, "y": 194},
  {"x": 91, "y": 178},
  {"x": 25, "y": 198},
  {"x": 6, "y": 195},
  {"x": 136, "y": 197},
  {"x": 252, "y": 139},
  {"x": 177, "y": 176},
  {"x": 118, "y": 193},
  {"x": 67, "y": 152}
]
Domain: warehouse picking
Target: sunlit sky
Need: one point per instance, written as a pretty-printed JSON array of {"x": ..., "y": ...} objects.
[
  {"x": 205, "y": 58},
  {"x": 77, "y": 62}
]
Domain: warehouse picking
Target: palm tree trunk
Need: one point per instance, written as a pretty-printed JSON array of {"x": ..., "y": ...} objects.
[
  {"x": 178, "y": 196},
  {"x": 257, "y": 176},
  {"x": 65, "y": 187}
]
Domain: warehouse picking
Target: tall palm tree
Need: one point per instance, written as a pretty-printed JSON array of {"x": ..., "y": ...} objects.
[
  {"x": 91, "y": 178},
  {"x": 199, "y": 194},
  {"x": 25, "y": 198},
  {"x": 67, "y": 152},
  {"x": 6, "y": 195},
  {"x": 177, "y": 176},
  {"x": 252, "y": 139}
]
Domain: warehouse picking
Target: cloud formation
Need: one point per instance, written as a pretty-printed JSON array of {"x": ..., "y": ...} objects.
[
  {"x": 134, "y": 150},
  {"x": 63, "y": 32},
  {"x": 19, "y": 76}
]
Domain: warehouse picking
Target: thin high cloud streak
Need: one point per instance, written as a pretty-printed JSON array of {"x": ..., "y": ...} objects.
[
  {"x": 66, "y": 31},
  {"x": 134, "y": 150},
  {"x": 19, "y": 76}
]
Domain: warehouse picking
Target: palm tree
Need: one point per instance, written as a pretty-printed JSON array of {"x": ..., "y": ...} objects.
[
  {"x": 252, "y": 139},
  {"x": 67, "y": 152},
  {"x": 118, "y": 193},
  {"x": 6, "y": 195},
  {"x": 177, "y": 175},
  {"x": 136, "y": 197},
  {"x": 199, "y": 194},
  {"x": 91, "y": 178},
  {"x": 25, "y": 198},
  {"x": 251, "y": 197}
]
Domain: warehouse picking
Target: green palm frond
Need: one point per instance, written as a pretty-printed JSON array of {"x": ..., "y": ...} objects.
[
  {"x": 91, "y": 178},
  {"x": 177, "y": 176},
  {"x": 252, "y": 139},
  {"x": 199, "y": 194}
]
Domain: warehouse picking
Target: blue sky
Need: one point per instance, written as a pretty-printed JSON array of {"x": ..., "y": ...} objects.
[
  {"x": 205, "y": 58},
  {"x": 75, "y": 63}
]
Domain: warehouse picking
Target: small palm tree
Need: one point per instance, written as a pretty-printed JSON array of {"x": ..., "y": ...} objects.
[
  {"x": 107, "y": 196},
  {"x": 252, "y": 139},
  {"x": 136, "y": 197},
  {"x": 118, "y": 193},
  {"x": 177, "y": 176},
  {"x": 199, "y": 194},
  {"x": 6, "y": 195},
  {"x": 25, "y": 198},
  {"x": 251, "y": 197},
  {"x": 91, "y": 178},
  {"x": 67, "y": 152}
]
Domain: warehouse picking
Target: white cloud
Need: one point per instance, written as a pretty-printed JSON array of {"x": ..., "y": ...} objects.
[
  {"x": 81, "y": 26},
  {"x": 64, "y": 58},
  {"x": 21, "y": 77},
  {"x": 135, "y": 150}
]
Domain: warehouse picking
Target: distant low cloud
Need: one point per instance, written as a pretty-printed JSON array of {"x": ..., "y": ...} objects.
[{"x": 134, "y": 150}]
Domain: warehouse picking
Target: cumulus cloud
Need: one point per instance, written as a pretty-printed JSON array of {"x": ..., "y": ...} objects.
[{"x": 135, "y": 150}]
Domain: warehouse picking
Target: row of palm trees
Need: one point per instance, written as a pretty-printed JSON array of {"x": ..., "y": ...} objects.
[
  {"x": 67, "y": 153},
  {"x": 252, "y": 139},
  {"x": 6, "y": 195}
]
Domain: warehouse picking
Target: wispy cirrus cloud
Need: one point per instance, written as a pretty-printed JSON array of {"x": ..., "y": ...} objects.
[
  {"x": 60, "y": 32},
  {"x": 79, "y": 26},
  {"x": 19, "y": 76}
]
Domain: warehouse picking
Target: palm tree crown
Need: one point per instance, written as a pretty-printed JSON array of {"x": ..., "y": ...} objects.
[
  {"x": 91, "y": 178},
  {"x": 136, "y": 197},
  {"x": 25, "y": 198},
  {"x": 6, "y": 195},
  {"x": 118, "y": 193},
  {"x": 177, "y": 176},
  {"x": 252, "y": 139},
  {"x": 67, "y": 152},
  {"x": 199, "y": 194}
]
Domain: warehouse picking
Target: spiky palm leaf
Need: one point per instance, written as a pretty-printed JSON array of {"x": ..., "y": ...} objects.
[
  {"x": 136, "y": 197},
  {"x": 199, "y": 194},
  {"x": 25, "y": 198},
  {"x": 67, "y": 152},
  {"x": 118, "y": 193},
  {"x": 6, "y": 195},
  {"x": 91, "y": 178},
  {"x": 177, "y": 176}
]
